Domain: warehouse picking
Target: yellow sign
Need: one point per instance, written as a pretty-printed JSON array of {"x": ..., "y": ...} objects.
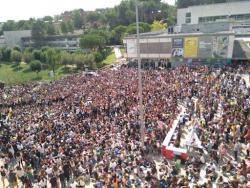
[{"x": 191, "y": 47}]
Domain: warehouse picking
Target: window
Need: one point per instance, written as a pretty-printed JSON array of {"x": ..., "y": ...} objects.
[
  {"x": 188, "y": 17},
  {"x": 188, "y": 14}
]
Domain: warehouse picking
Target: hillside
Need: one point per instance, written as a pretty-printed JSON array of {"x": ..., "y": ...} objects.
[{"x": 121, "y": 15}]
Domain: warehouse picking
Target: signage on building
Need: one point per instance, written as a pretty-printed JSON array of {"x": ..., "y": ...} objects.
[
  {"x": 131, "y": 47},
  {"x": 191, "y": 47},
  {"x": 220, "y": 46},
  {"x": 177, "y": 47},
  {"x": 205, "y": 47}
]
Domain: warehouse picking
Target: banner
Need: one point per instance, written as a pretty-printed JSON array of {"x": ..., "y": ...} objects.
[
  {"x": 205, "y": 47},
  {"x": 131, "y": 47},
  {"x": 177, "y": 47},
  {"x": 191, "y": 47},
  {"x": 220, "y": 46}
]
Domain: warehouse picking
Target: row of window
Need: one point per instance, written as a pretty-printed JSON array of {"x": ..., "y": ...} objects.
[{"x": 239, "y": 17}]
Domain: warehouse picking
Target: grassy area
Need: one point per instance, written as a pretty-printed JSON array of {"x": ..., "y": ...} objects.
[
  {"x": 111, "y": 59},
  {"x": 11, "y": 74}
]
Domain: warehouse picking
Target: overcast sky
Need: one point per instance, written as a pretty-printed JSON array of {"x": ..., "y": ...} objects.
[{"x": 25, "y": 9}]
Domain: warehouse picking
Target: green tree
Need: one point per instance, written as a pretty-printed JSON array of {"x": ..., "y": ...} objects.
[
  {"x": 64, "y": 28},
  {"x": 158, "y": 25},
  {"x": 1, "y": 55},
  {"x": 37, "y": 55},
  {"x": 16, "y": 57},
  {"x": 53, "y": 58},
  {"x": 38, "y": 30},
  {"x": 47, "y": 19},
  {"x": 17, "y": 48},
  {"x": 89, "y": 60},
  {"x": 98, "y": 56},
  {"x": 79, "y": 60},
  {"x": 9, "y": 26},
  {"x": 36, "y": 66},
  {"x": 92, "y": 41},
  {"x": 66, "y": 58},
  {"x": 27, "y": 56},
  {"x": 6, "y": 53},
  {"x": 77, "y": 19},
  {"x": 51, "y": 29},
  {"x": 119, "y": 33},
  {"x": 70, "y": 26}
]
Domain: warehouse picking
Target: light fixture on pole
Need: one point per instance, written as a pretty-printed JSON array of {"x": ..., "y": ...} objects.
[{"x": 141, "y": 109}]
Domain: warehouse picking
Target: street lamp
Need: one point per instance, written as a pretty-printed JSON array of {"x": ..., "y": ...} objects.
[{"x": 141, "y": 109}]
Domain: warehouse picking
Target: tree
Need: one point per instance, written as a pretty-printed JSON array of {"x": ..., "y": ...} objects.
[
  {"x": 37, "y": 55},
  {"x": 92, "y": 41},
  {"x": 51, "y": 29},
  {"x": 77, "y": 19},
  {"x": 64, "y": 28},
  {"x": 79, "y": 60},
  {"x": 36, "y": 66},
  {"x": 9, "y": 26},
  {"x": 70, "y": 26},
  {"x": 89, "y": 60},
  {"x": 17, "y": 48},
  {"x": 143, "y": 27},
  {"x": 27, "y": 56},
  {"x": 1, "y": 55},
  {"x": 47, "y": 19},
  {"x": 119, "y": 33},
  {"x": 16, "y": 56},
  {"x": 52, "y": 57},
  {"x": 66, "y": 58},
  {"x": 38, "y": 30},
  {"x": 6, "y": 53},
  {"x": 158, "y": 25}
]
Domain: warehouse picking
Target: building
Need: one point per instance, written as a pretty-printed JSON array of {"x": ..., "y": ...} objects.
[
  {"x": 208, "y": 34},
  {"x": 182, "y": 48},
  {"x": 70, "y": 43},
  {"x": 219, "y": 12},
  {"x": 14, "y": 38},
  {"x": 211, "y": 18},
  {"x": 23, "y": 39},
  {"x": 2, "y": 42}
]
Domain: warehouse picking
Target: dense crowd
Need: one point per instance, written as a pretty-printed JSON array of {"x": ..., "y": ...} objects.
[{"x": 84, "y": 130}]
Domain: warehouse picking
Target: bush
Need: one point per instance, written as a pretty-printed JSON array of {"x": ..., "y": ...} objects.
[
  {"x": 99, "y": 56},
  {"x": 36, "y": 66},
  {"x": 16, "y": 56},
  {"x": 27, "y": 57},
  {"x": 6, "y": 54}
]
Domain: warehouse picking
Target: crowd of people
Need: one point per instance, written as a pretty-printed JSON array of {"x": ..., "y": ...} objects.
[{"x": 83, "y": 130}]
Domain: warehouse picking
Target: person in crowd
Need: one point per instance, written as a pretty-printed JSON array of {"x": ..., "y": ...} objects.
[{"x": 83, "y": 130}]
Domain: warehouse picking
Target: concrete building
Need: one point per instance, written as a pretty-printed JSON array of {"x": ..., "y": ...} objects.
[
  {"x": 14, "y": 38},
  {"x": 70, "y": 43},
  {"x": 2, "y": 42},
  {"x": 23, "y": 39},
  {"x": 219, "y": 12}
]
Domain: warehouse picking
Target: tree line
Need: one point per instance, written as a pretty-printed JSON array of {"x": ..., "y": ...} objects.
[
  {"x": 51, "y": 58},
  {"x": 119, "y": 21}
]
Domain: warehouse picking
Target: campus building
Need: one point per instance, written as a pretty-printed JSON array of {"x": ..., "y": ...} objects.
[
  {"x": 23, "y": 39},
  {"x": 208, "y": 34},
  {"x": 220, "y": 12},
  {"x": 70, "y": 43}
]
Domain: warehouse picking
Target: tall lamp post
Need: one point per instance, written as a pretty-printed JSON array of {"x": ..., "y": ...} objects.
[{"x": 141, "y": 108}]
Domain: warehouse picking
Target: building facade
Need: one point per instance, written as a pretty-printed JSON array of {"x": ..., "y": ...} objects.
[
  {"x": 220, "y": 12},
  {"x": 23, "y": 39},
  {"x": 70, "y": 43}
]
